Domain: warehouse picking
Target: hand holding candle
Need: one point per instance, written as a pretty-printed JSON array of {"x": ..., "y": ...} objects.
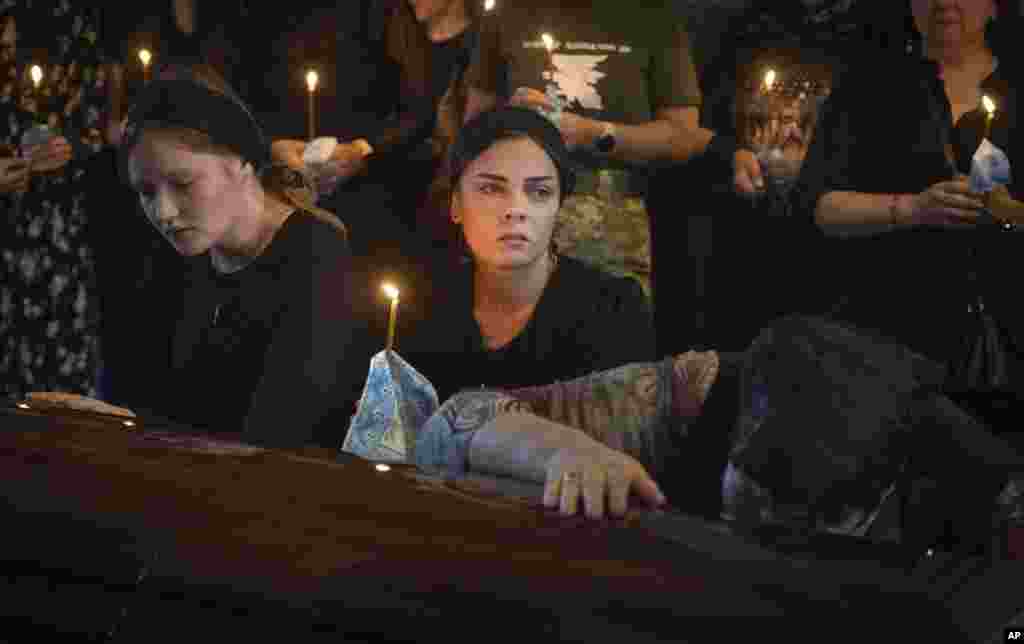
[
  {"x": 312, "y": 80},
  {"x": 391, "y": 292}
]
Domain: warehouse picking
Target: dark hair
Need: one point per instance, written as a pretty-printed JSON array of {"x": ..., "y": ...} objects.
[
  {"x": 492, "y": 126},
  {"x": 196, "y": 106},
  {"x": 502, "y": 124}
]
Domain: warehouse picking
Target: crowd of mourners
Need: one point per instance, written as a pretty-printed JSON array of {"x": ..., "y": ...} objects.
[{"x": 493, "y": 163}]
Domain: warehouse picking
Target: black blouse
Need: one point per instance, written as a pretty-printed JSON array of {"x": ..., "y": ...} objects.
[
  {"x": 887, "y": 133},
  {"x": 262, "y": 351},
  {"x": 586, "y": 321}
]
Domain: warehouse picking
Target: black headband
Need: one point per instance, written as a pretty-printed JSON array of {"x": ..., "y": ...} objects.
[
  {"x": 188, "y": 104},
  {"x": 487, "y": 128}
]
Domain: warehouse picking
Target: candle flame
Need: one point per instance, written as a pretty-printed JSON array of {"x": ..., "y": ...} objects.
[
  {"x": 989, "y": 104},
  {"x": 381, "y": 467},
  {"x": 390, "y": 290},
  {"x": 37, "y": 74},
  {"x": 145, "y": 56},
  {"x": 488, "y": 5},
  {"x": 769, "y": 79},
  {"x": 312, "y": 79},
  {"x": 23, "y": 406},
  {"x": 549, "y": 41}
]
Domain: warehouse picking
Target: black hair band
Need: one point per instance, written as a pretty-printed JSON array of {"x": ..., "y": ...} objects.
[{"x": 187, "y": 104}]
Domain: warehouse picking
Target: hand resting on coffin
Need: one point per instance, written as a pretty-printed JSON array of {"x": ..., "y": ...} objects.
[
  {"x": 492, "y": 433},
  {"x": 60, "y": 400}
]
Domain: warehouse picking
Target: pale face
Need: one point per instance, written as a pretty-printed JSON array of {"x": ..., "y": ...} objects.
[
  {"x": 427, "y": 10},
  {"x": 196, "y": 200},
  {"x": 953, "y": 23},
  {"x": 507, "y": 202}
]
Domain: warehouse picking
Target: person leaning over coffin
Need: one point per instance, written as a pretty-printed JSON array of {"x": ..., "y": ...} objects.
[{"x": 264, "y": 321}]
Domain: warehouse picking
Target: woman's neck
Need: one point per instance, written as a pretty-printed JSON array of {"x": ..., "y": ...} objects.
[
  {"x": 512, "y": 290},
  {"x": 449, "y": 23},
  {"x": 964, "y": 58},
  {"x": 266, "y": 215}
]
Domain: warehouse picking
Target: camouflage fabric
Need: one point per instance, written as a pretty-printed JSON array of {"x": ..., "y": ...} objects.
[{"x": 602, "y": 226}]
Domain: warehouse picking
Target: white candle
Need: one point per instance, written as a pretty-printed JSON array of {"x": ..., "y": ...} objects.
[
  {"x": 37, "y": 76},
  {"x": 549, "y": 44},
  {"x": 145, "y": 56},
  {"x": 990, "y": 107},
  {"x": 391, "y": 292},
  {"x": 312, "y": 80}
]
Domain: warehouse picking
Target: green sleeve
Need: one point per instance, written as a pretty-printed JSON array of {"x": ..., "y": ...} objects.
[{"x": 673, "y": 77}]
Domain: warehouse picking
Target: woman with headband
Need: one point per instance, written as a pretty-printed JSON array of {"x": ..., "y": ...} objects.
[
  {"x": 516, "y": 312},
  {"x": 264, "y": 323}
]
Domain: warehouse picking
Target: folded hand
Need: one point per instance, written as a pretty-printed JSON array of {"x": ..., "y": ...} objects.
[{"x": 947, "y": 203}]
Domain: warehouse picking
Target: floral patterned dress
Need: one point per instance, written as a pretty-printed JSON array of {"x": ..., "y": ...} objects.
[{"x": 49, "y": 322}]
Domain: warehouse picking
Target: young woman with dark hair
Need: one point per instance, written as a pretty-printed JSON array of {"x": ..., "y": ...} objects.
[{"x": 262, "y": 329}]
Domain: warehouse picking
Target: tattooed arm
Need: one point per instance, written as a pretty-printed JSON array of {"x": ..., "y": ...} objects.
[{"x": 493, "y": 433}]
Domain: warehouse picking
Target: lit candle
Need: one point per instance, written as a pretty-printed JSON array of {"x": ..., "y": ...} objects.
[
  {"x": 769, "y": 81},
  {"x": 37, "y": 76},
  {"x": 145, "y": 56},
  {"x": 990, "y": 107},
  {"x": 549, "y": 44},
  {"x": 488, "y": 5},
  {"x": 391, "y": 292},
  {"x": 312, "y": 79}
]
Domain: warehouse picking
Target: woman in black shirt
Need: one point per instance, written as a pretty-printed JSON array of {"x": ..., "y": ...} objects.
[
  {"x": 885, "y": 180},
  {"x": 264, "y": 321},
  {"x": 515, "y": 313}
]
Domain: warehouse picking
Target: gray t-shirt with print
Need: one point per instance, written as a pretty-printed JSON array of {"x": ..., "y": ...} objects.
[{"x": 611, "y": 60}]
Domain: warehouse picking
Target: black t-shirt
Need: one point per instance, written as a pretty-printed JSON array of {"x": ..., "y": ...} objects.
[
  {"x": 586, "y": 321},
  {"x": 262, "y": 351}
]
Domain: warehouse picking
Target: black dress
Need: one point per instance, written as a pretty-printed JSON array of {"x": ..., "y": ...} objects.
[
  {"x": 586, "y": 321},
  {"x": 263, "y": 351},
  {"x": 885, "y": 133},
  {"x": 49, "y": 313}
]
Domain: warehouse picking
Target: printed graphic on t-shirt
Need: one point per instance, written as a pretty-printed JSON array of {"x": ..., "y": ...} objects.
[
  {"x": 577, "y": 77},
  {"x": 575, "y": 71}
]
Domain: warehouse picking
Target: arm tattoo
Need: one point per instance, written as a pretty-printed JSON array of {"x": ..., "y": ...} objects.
[{"x": 442, "y": 446}]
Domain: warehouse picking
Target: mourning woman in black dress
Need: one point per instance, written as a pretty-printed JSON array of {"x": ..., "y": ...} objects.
[
  {"x": 516, "y": 313},
  {"x": 263, "y": 325}
]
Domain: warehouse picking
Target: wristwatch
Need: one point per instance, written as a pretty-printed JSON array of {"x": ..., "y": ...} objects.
[{"x": 606, "y": 142}]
